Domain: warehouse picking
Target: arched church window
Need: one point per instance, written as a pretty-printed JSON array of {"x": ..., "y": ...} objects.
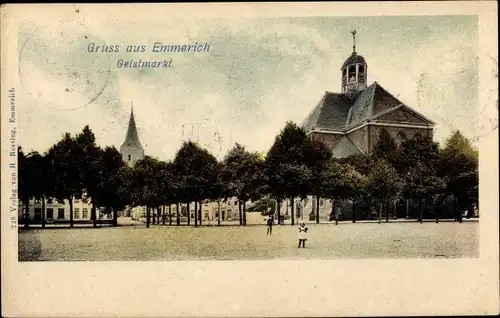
[
  {"x": 400, "y": 138},
  {"x": 129, "y": 157},
  {"x": 352, "y": 73},
  {"x": 361, "y": 73}
]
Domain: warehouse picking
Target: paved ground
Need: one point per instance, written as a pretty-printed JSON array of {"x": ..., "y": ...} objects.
[{"x": 325, "y": 241}]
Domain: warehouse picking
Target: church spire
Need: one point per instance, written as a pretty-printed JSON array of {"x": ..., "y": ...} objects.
[
  {"x": 353, "y": 42},
  {"x": 132, "y": 138},
  {"x": 131, "y": 148}
]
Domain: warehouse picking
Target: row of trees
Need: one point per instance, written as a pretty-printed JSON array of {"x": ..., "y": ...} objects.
[{"x": 295, "y": 166}]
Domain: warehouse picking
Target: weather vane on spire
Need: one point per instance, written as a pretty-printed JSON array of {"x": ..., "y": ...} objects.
[{"x": 353, "y": 41}]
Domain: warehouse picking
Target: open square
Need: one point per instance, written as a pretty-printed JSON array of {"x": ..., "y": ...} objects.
[{"x": 362, "y": 240}]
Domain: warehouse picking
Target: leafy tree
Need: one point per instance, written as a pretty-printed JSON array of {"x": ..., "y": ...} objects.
[
  {"x": 242, "y": 173},
  {"x": 318, "y": 159},
  {"x": 112, "y": 189},
  {"x": 383, "y": 183},
  {"x": 146, "y": 184},
  {"x": 422, "y": 182},
  {"x": 265, "y": 205},
  {"x": 88, "y": 159},
  {"x": 342, "y": 181},
  {"x": 197, "y": 169},
  {"x": 458, "y": 166},
  {"x": 66, "y": 172},
  {"x": 287, "y": 172},
  {"x": 386, "y": 147}
]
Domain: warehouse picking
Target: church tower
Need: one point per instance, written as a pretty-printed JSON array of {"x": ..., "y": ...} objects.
[
  {"x": 354, "y": 72},
  {"x": 131, "y": 150}
]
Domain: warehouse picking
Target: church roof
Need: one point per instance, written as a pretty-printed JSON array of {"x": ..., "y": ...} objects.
[
  {"x": 132, "y": 139},
  {"x": 330, "y": 113},
  {"x": 335, "y": 112},
  {"x": 345, "y": 148},
  {"x": 354, "y": 58}
]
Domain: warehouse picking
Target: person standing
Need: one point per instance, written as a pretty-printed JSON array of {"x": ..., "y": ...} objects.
[
  {"x": 302, "y": 235},
  {"x": 282, "y": 219},
  {"x": 270, "y": 226}
]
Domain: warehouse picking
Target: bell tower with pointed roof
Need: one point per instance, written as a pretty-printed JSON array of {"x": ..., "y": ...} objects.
[{"x": 131, "y": 149}]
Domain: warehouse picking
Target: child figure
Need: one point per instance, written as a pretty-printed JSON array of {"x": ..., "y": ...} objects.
[{"x": 302, "y": 235}]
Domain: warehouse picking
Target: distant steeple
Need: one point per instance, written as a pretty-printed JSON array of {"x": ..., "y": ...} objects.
[{"x": 131, "y": 148}]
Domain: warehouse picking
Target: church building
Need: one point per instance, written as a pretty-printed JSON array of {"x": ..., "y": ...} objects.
[{"x": 349, "y": 122}]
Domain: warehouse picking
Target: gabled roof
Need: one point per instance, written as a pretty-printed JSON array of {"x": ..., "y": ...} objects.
[
  {"x": 334, "y": 112},
  {"x": 132, "y": 139},
  {"x": 345, "y": 148},
  {"x": 330, "y": 113},
  {"x": 409, "y": 109}
]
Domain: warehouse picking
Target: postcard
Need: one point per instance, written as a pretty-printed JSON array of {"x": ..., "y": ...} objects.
[{"x": 250, "y": 159}]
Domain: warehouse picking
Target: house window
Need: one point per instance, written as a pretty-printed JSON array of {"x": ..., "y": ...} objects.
[
  {"x": 77, "y": 200},
  {"x": 49, "y": 201},
  {"x": 85, "y": 213},
  {"x": 38, "y": 214},
  {"x": 76, "y": 213},
  {"x": 60, "y": 213},
  {"x": 50, "y": 213}
]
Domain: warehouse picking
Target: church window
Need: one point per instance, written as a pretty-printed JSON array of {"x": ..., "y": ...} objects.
[
  {"x": 129, "y": 157},
  {"x": 352, "y": 73},
  {"x": 361, "y": 72},
  {"x": 400, "y": 138}
]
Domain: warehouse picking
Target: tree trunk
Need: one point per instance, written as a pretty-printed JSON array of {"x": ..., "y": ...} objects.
[
  {"x": 170, "y": 214},
  {"x": 199, "y": 213},
  {"x": 407, "y": 205},
  {"x": 195, "y": 213},
  {"x": 353, "y": 210},
  {"x": 380, "y": 211},
  {"x": 420, "y": 209},
  {"x": 26, "y": 214},
  {"x": 115, "y": 217},
  {"x": 218, "y": 215},
  {"x": 158, "y": 210},
  {"x": 93, "y": 215},
  {"x": 244, "y": 213},
  {"x": 278, "y": 208},
  {"x": 293, "y": 211},
  {"x": 163, "y": 215},
  {"x": 334, "y": 213},
  {"x": 43, "y": 211},
  {"x": 178, "y": 214},
  {"x": 386, "y": 211},
  {"x": 239, "y": 212},
  {"x": 147, "y": 216},
  {"x": 394, "y": 209},
  {"x": 317, "y": 209},
  {"x": 153, "y": 216},
  {"x": 71, "y": 211}
]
